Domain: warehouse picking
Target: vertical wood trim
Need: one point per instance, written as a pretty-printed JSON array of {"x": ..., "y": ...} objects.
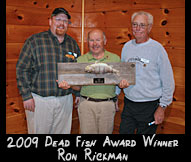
[{"x": 82, "y": 39}]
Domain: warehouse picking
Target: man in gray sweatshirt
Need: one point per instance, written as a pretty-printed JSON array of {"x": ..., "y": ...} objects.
[{"x": 145, "y": 102}]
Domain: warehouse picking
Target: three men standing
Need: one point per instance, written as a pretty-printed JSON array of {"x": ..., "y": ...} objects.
[{"x": 49, "y": 107}]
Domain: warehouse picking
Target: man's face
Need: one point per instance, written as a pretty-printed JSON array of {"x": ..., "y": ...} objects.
[
  {"x": 59, "y": 24},
  {"x": 96, "y": 42},
  {"x": 141, "y": 28}
]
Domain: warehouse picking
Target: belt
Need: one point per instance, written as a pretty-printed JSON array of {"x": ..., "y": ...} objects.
[{"x": 99, "y": 100}]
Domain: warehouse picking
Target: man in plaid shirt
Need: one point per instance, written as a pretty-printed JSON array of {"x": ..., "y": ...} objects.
[{"x": 48, "y": 108}]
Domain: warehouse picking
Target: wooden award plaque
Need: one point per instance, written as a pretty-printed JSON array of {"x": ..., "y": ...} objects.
[{"x": 74, "y": 74}]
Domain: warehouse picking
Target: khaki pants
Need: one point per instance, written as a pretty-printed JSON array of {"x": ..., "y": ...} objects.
[
  {"x": 96, "y": 117},
  {"x": 53, "y": 115}
]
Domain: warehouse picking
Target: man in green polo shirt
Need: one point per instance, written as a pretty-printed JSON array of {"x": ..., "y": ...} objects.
[{"x": 96, "y": 109}]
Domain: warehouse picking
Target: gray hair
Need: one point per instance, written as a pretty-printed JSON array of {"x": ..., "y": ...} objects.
[
  {"x": 149, "y": 16},
  {"x": 104, "y": 36}
]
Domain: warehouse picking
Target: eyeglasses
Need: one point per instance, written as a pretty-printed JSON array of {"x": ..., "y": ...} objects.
[
  {"x": 62, "y": 20},
  {"x": 141, "y": 25}
]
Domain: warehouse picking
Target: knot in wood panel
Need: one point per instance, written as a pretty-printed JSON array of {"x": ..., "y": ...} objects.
[
  {"x": 35, "y": 2},
  {"x": 20, "y": 17},
  {"x": 130, "y": 36},
  {"x": 166, "y": 11},
  {"x": 124, "y": 11},
  {"x": 47, "y": 5},
  {"x": 167, "y": 33},
  {"x": 164, "y": 22}
]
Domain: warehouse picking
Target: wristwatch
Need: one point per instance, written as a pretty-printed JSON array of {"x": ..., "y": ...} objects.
[{"x": 163, "y": 106}]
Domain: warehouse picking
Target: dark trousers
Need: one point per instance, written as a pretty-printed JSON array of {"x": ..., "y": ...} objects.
[{"x": 136, "y": 116}]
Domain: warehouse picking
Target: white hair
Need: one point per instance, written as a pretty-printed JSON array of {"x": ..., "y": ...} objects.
[
  {"x": 104, "y": 36},
  {"x": 149, "y": 16}
]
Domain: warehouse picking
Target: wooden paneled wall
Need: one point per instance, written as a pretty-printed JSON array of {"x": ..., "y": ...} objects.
[{"x": 26, "y": 17}]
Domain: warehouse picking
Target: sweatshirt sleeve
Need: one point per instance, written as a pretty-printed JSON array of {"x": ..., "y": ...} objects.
[{"x": 167, "y": 78}]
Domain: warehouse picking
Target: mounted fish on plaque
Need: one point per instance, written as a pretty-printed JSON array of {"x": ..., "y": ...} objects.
[{"x": 96, "y": 73}]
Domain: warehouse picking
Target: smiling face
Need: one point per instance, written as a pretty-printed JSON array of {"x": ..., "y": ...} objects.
[
  {"x": 141, "y": 28},
  {"x": 59, "y": 25},
  {"x": 96, "y": 42}
]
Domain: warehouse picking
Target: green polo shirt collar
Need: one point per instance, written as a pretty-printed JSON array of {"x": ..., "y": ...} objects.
[{"x": 91, "y": 58}]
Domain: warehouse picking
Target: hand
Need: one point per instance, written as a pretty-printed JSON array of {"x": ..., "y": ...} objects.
[
  {"x": 123, "y": 84},
  {"x": 63, "y": 84},
  {"x": 77, "y": 88},
  {"x": 77, "y": 101},
  {"x": 29, "y": 105},
  {"x": 159, "y": 115}
]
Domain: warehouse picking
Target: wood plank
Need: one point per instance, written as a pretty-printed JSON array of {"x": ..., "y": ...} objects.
[
  {"x": 74, "y": 74},
  {"x": 14, "y": 106},
  {"x": 159, "y": 4},
  {"x": 175, "y": 114},
  {"x": 19, "y": 33},
  {"x": 113, "y": 47},
  {"x": 16, "y": 124},
  {"x": 179, "y": 76},
  {"x": 33, "y": 16},
  {"x": 170, "y": 37},
  {"x": 175, "y": 120},
  {"x": 70, "y": 5},
  {"x": 176, "y": 56},
  {"x": 13, "y": 50},
  {"x": 171, "y": 125},
  {"x": 11, "y": 89},
  {"x": 100, "y": 5},
  {"x": 122, "y": 18},
  {"x": 11, "y": 70},
  {"x": 170, "y": 128},
  {"x": 92, "y": 20},
  {"x": 179, "y": 93}
]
